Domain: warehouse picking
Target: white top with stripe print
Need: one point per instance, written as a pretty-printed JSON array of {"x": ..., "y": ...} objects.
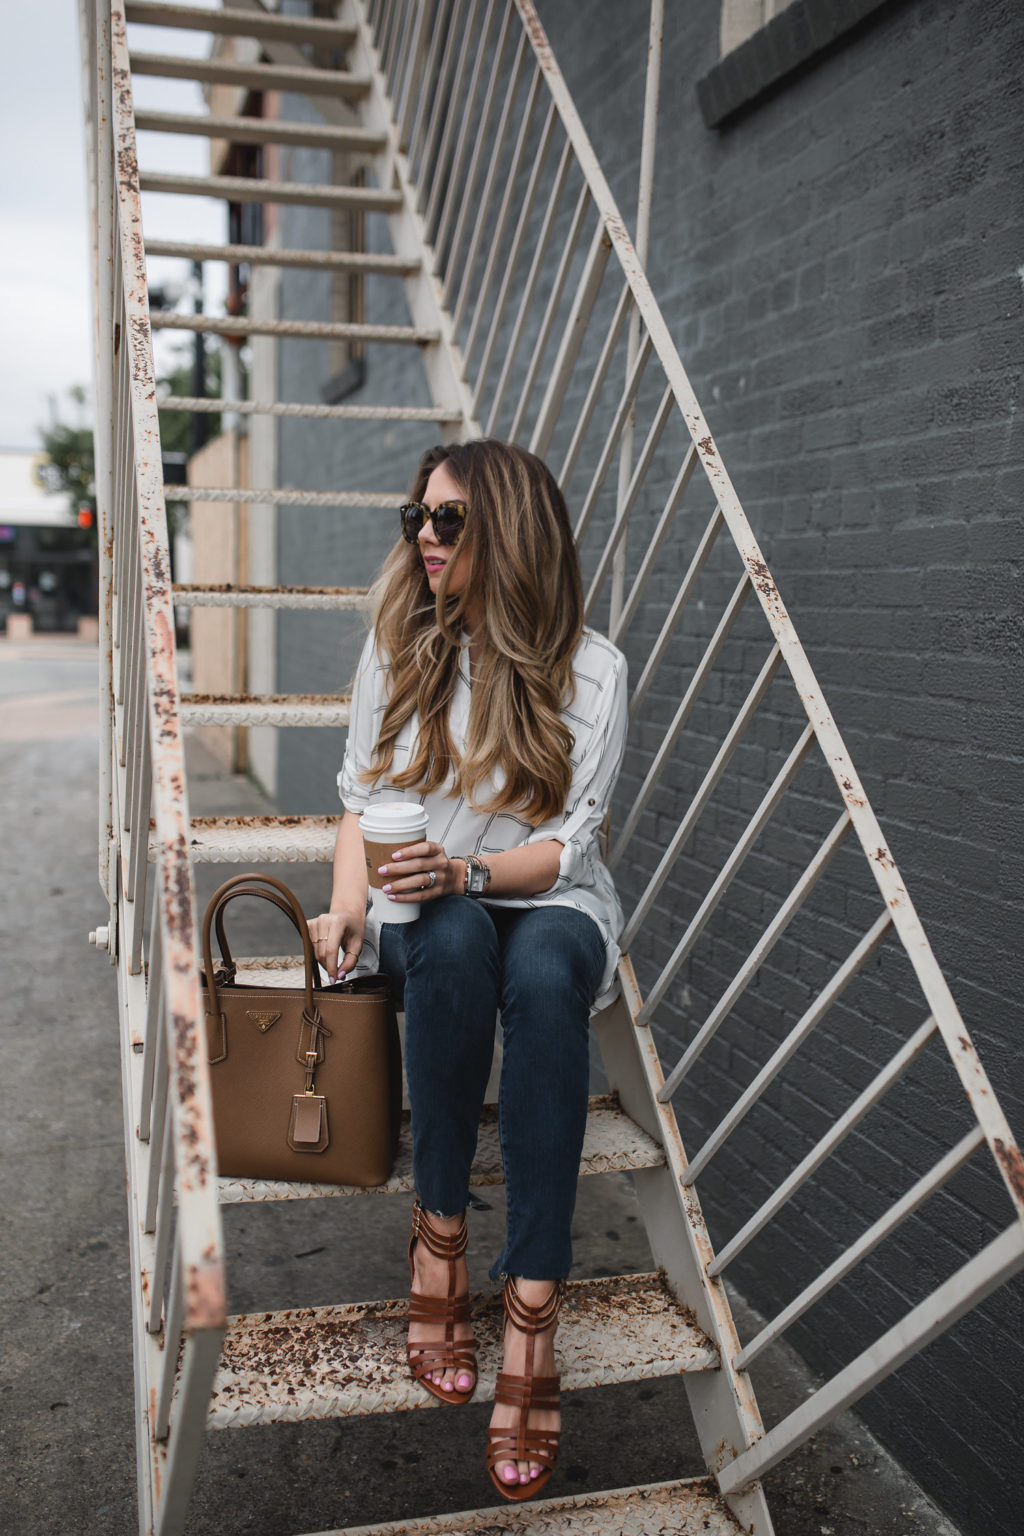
[{"x": 597, "y": 719}]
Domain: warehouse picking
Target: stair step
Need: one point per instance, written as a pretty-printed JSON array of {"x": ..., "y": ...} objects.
[
  {"x": 312, "y": 412},
  {"x": 341, "y": 1362},
  {"x": 252, "y": 189},
  {"x": 294, "y": 710},
  {"x": 259, "y": 130},
  {"x": 689, "y": 1507},
  {"x": 268, "y": 256},
  {"x": 285, "y": 498},
  {"x": 334, "y": 599},
  {"x": 260, "y": 840},
  {"x": 314, "y": 330},
  {"x": 613, "y": 1144},
  {"x": 237, "y": 23},
  {"x": 256, "y": 77}
]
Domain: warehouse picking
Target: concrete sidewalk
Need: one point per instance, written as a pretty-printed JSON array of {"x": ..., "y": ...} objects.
[{"x": 66, "y": 1426}]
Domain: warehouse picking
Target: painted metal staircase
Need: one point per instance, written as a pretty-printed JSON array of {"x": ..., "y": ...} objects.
[{"x": 523, "y": 302}]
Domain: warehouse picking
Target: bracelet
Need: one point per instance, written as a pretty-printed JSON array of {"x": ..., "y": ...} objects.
[{"x": 478, "y": 874}]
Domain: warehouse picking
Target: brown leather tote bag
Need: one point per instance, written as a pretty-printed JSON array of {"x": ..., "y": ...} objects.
[{"x": 307, "y": 1082}]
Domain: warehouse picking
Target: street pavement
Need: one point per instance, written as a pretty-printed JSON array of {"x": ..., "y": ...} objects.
[{"x": 67, "y": 1455}]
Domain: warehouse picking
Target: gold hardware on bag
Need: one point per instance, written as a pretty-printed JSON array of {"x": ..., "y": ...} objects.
[{"x": 263, "y": 1021}]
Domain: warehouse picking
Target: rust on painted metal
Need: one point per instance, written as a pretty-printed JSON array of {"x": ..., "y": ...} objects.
[
  {"x": 764, "y": 581},
  {"x": 849, "y": 794},
  {"x": 706, "y": 446},
  {"x": 204, "y": 1287},
  {"x": 349, "y": 1360},
  {"x": 1012, "y": 1164},
  {"x": 883, "y": 857},
  {"x": 260, "y": 823},
  {"x": 227, "y": 588},
  {"x": 266, "y": 698},
  {"x": 538, "y": 37}
]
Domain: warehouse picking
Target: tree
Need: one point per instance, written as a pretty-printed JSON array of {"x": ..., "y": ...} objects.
[{"x": 71, "y": 460}]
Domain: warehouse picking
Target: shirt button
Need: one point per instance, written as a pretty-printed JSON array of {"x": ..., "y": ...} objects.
[{"x": 591, "y": 802}]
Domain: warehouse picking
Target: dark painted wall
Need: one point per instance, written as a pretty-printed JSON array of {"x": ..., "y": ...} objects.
[{"x": 839, "y": 267}]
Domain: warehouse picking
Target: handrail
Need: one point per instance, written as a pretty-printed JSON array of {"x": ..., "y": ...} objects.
[
  {"x": 581, "y": 298},
  {"x": 199, "y": 1215}
]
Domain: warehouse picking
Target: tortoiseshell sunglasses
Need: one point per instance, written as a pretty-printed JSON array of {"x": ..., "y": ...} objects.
[{"x": 448, "y": 521}]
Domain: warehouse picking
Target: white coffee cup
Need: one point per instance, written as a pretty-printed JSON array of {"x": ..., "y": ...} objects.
[{"x": 388, "y": 826}]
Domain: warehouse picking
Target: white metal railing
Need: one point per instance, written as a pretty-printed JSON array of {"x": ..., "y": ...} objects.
[
  {"x": 178, "y": 1294},
  {"x": 558, "y": 341},
  {"x": 540, "y": 274}
]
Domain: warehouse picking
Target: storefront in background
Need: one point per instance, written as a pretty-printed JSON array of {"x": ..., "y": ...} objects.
[
  {"x": 48, "y": 562},
  {"x": 48, "y": 573}
]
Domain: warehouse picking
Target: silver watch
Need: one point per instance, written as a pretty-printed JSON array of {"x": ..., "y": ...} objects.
[{"x": 478, "y": 874}]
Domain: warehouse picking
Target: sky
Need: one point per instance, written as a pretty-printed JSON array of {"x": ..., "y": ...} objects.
[{"x": 45, "y": 277}]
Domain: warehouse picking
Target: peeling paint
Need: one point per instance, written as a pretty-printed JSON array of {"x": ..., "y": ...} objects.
[{"x": 1012, "y": 1164}]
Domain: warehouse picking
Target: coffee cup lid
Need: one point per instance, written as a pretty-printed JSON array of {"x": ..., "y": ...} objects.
[{"x": 393, "y": 816}]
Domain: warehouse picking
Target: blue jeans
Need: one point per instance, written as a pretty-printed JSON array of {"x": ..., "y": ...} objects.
[{"x": 458, "y": 964}]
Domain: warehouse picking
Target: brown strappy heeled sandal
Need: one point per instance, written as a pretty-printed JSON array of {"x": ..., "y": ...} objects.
[
  {"x": 519, "y": 1442},
  {"x": 448, "y": 1355}
]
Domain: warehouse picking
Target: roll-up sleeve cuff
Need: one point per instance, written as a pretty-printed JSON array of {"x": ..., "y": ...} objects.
[
  {"x": 354, "y": 795},
  {"x": 570, "y": 864},
  {"x": 353, "y": 789}
]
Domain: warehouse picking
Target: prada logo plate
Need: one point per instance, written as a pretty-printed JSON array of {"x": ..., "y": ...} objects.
[{"x": 263, "y": 1021}]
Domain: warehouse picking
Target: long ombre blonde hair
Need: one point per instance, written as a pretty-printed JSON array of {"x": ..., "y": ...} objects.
[{"x": 520, "y": 559}]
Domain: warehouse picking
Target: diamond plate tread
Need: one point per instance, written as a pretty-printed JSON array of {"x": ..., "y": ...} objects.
[
  {"x": 340, "y": 1362},
  {"x": 685, "y": 1508},
  {"x": 331, "y": 599},
  {"x": 294, "y": 710},
  {"x": 260, "y": 840},
  {"x": 612, "y": 1144}
]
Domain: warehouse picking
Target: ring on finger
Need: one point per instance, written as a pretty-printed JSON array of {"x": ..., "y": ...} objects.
[{"x": 431, "y": 880}]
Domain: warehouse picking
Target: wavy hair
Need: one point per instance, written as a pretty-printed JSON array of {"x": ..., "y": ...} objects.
[{"x": 522, "y": 566}]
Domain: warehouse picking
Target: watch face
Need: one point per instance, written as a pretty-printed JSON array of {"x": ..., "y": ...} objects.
[{"x": 477, "y": 880}]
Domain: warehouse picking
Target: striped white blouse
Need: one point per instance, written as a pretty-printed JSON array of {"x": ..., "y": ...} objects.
[{"x": 597, "y": 719}]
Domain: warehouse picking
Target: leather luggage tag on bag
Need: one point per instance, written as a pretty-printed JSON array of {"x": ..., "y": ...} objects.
[
  {"x": 263, "y": 1021},
  {"x": 307, "y": 1129}
]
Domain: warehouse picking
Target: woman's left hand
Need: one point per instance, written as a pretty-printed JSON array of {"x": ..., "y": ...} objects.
[{"x": 422, "y": 872}]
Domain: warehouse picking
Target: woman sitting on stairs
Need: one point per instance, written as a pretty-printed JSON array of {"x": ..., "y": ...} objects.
[{"x": 481, "y": 694}]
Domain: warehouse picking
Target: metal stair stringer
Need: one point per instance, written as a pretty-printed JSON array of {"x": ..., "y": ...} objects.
[{"x": 722, "y": 1402}]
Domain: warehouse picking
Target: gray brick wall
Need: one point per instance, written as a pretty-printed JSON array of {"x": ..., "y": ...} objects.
[{"x": 838, "y": 266}]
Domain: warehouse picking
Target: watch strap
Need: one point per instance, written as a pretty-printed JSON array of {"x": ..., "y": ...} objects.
[{"x": 478, "y": 874}]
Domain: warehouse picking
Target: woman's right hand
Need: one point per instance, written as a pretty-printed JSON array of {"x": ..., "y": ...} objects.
[{"x": 337, "y": 940}]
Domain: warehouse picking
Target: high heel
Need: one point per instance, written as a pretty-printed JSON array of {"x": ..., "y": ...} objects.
[
  {"x": 518, "y": 1442},
  {"x": 450, "y": 1310}
]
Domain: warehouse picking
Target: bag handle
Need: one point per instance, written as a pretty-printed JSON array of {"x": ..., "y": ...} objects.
[
  {"x": 252, "y": 885},
  {"x": 227, "y": 963}
]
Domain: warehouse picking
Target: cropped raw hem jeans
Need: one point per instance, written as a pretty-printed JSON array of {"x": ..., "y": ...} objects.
[{"x": 460, "y": 963}]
